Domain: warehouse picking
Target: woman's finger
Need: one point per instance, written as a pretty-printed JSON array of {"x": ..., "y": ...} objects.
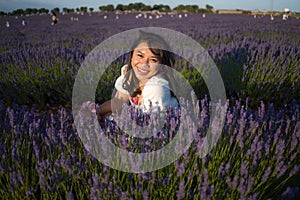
[{"x": 90, "y": 106}]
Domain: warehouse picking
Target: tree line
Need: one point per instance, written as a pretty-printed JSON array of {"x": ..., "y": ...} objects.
[{"x": 112, "y": 8}]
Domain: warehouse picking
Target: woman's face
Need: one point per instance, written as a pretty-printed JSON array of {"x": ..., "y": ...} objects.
[{"x": 145, "y": 64}]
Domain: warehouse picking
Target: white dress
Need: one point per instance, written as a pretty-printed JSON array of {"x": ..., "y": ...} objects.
[{"x": 156, "y": 91}]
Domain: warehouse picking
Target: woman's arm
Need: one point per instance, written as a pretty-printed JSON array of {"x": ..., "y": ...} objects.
[{"x": 113, "y": 104}]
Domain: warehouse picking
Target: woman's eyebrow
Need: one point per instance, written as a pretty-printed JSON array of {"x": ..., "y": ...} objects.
[
  {"x": 139, "y": 51},
  {"x": 154, "y": 56}
]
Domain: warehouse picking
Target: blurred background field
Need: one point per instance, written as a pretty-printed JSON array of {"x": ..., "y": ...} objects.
[
  {"x": 258, "y": 58},
  {"x": 257, "y": 156}
]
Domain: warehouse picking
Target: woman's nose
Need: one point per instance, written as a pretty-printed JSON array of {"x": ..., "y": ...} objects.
[{"x": 145, "y": 61}]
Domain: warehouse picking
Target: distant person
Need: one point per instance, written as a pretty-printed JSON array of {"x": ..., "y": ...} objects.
[
  {"x": 24, "y": 22},
  {"x": 54, "y": 19},
  {"x": 7, "y": 24}
]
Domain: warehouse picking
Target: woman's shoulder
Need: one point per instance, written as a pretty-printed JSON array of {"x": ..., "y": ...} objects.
[
  {"x": 156, "y": 87},
  {"x": 124, "y": 69},
  {"x": 157, "y": 91},
  {"x": 157, "y": 81},
  {"x": 120, "y": 80}
]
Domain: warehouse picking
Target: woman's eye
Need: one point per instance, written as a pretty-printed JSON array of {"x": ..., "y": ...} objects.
[
  {"x": 154, "y": 60},
  {"x": 140, "y": 55}
]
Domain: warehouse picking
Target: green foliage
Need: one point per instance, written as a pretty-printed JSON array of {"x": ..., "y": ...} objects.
[{"x": 108, "y": 8}]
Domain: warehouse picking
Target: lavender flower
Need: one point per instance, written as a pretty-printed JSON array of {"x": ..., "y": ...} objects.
[
  {"x": 145, "y": 195},
  {"x": 180, "y": 194}
]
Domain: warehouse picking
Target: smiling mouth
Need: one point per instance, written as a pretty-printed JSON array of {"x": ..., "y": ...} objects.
[{"x": 142, "y": 71}]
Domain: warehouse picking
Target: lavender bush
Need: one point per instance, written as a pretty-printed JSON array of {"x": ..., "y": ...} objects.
[{"x": 256, "y": 157}]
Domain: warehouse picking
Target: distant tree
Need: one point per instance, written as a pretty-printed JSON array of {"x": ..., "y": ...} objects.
[
  {"x": 91, "y": 9},
  {"x": 155, "y": 7},
  {"x": 18, "y": 12},
  {"x": 161, "y": 8},
  {"x": 146, "y": 8},
  {"x": 125, "y": 7},
  {"x": 43, "y": 11},
  {"x": 139, "y": 6},
  {"x": 65, "y": 10},
  {"x": 3, "y": 13},
  {"x": 191, "y": 8},
  {"x": 187, "y": 8},
  {"x": 120, "y": 7},
  {"x": 195, "y": 8},
  {"x": 55, "y": 10},
  {"x": 130, "y": 6},
  {"x": 179, "y": 8},
  {"x": 83, "y": 9},
  {"x": 77, "y": 9},
  {"x": 108, "y": 8},
  {"x": 68, "y": 10},
  {"x": 166, "y": 8},
  {"x": 34, "y": 11},
  {"x": 209, "y": 8},
  {"x": 27, "y": 11}
]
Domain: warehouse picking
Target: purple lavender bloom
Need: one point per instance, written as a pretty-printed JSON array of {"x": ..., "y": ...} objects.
[
  {"x": 295, "y": 170},
  {"x": 70, "y": 196},
  {"x": 94, "y": 194},
  {"x": 95, "y": 189},
  {"x": 181, "y": 169},
  {"x": 165, "y": 181},
  {"x": 280, "y": 169},
  {"x": 145, "y": 195},
  {"x": 180, "y": 193},
  {"x": 234, "y": 182},
  {"x": 266, "y": 174},
  {"x": 291, "y": 193},
  {"x": 243, "y": 169},
  {"x": 124, "y": 195},
  {"x": 294, "y": 143}
]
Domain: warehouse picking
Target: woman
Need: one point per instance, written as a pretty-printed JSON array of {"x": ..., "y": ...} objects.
[{"x": 145, "y": 81}]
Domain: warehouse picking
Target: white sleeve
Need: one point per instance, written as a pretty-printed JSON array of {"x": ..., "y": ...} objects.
[
  {"x": 158, "y": 93},
  {"x": 120, "y": 80}
]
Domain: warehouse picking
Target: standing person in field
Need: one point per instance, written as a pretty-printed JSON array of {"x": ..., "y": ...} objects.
[
  {"x": 54, "y": 19},
  {"x": 24, "y": 22},
  {"x": 144, "y": 81},
  {"x": 7, "y": 24}
]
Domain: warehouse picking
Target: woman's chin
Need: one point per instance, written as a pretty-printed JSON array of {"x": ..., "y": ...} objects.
[{"x": 142, "y": 76}]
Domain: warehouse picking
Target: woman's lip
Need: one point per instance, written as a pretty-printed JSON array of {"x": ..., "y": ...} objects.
[{"x": 142, "y": 70}]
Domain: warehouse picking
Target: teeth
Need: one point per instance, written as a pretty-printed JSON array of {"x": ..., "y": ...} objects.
[{"x": 141, "y": 70}]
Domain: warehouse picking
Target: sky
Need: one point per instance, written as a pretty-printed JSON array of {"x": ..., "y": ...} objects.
[{"x": 275, "y": 5}]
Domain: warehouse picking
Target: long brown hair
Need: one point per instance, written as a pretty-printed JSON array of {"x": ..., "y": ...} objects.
[{"x": 159, "y": 47}]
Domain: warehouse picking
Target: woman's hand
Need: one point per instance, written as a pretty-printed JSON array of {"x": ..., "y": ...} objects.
[
  {"x": 88, "y": 107},
  {"x": 86, "y": 114},
  {"x": 105, "y": 109}
]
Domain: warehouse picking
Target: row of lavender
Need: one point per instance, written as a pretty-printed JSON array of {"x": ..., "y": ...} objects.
[
  {"x": 258, "y": 58},
  {"x": 257, "y": 156}
]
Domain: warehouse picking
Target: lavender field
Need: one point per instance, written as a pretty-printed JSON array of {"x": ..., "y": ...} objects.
[{"x": 256, "y": 157}]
